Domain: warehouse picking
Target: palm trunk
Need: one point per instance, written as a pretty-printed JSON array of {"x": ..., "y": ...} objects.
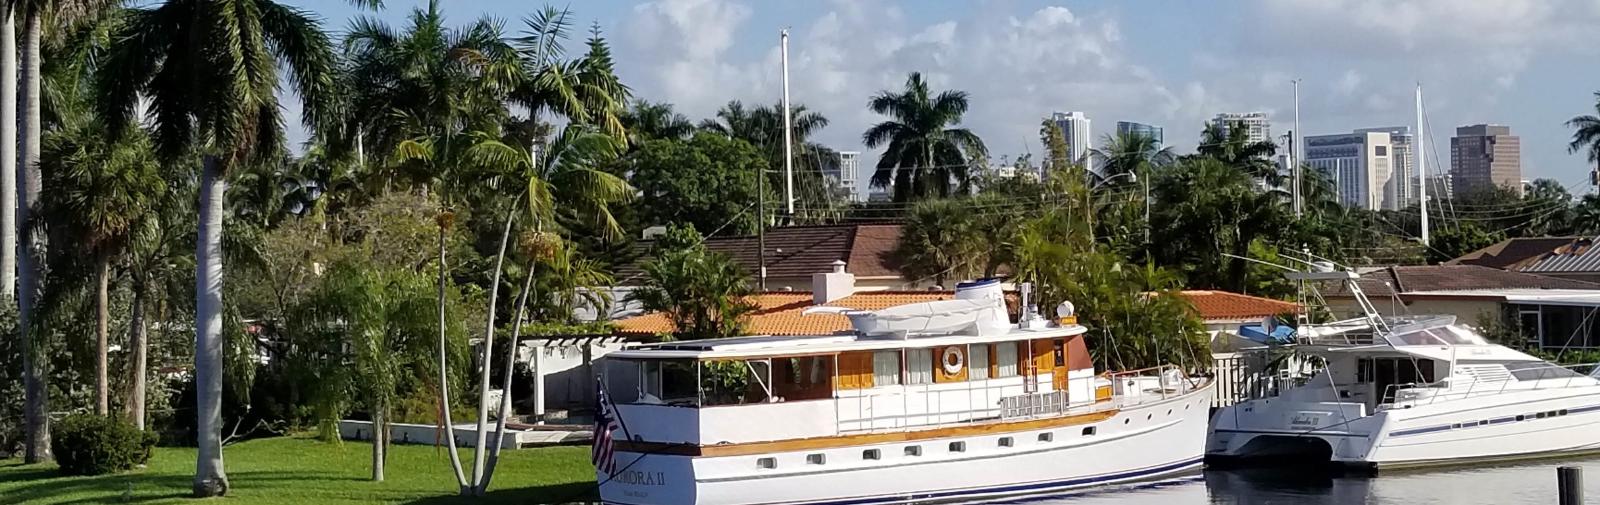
[
  {"x": 8, "y": 155},
  {"x": 444, "y": 376},
  {"x": 505, "y": 380},
  {"x": 102, "y": 313},
  {"x": 209, "y": 479},
  {"x": 36, "y": 417},
  {"x": 478, "y": 453},
  {"x": 380, "y": 439},
  {"x": 141, "y": 351}
]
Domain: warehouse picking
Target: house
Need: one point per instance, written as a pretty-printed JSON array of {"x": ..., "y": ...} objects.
[
  {"x": 1565, "y": 257},
  {"x": 1549, "y": 312}
]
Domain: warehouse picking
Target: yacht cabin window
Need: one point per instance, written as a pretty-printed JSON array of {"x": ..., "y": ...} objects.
[
  {"x": 919, "y": 366},
  {"x": 978, "y": 359},
  {"x": 886, "y": 368},
  {"x": 1005, "y": 357}
]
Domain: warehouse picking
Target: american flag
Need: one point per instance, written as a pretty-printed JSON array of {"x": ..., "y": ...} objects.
[{"x": 602, "y": 454}]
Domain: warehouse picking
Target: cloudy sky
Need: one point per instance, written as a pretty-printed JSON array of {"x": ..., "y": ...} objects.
[{"x": 1524, "y": 63}]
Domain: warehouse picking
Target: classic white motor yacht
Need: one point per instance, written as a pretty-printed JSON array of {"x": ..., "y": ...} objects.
[
  {"x": 1408, "y": 391},
  {"x": 927, "y": 402}
]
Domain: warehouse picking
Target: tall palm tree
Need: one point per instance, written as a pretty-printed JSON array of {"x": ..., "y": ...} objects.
[
  {"x": 218, "y": 99},
  {"x": 1586, "y": 133},
  {"x": 1130, "y": 152},
  {"x": 1231, "y": 145},
  {"x": 646, "y": 120},
  {"x": 923, "y": 151},
  {"x": 102, "y": 189},
  {"x": 817, "y": 199},
  {"x": 8, "y": 150}
]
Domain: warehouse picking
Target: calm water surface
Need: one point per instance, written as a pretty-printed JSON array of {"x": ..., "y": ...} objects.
[{"x": 1522, "y": 484}]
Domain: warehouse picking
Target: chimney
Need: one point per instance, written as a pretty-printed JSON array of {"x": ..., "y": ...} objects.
[{"x": 833, "y": 285}]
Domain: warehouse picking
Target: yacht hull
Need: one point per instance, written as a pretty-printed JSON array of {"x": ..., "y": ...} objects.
[
  {"x": 1522, "y": 425},
  {"x": 1148, "y": 441}
]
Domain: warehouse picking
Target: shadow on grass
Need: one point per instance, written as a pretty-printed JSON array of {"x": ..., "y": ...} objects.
[
  {"x": 131, "y": 487},
  {"x": 553, "y": 494}
]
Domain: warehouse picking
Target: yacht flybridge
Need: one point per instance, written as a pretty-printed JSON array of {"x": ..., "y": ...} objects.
[
  {"x": 1409, "y": 391},
  {"x": 926, "y": 402}
]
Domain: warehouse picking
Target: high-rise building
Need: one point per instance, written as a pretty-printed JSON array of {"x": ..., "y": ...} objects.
[
  {"x": 1152, "y": 131},
  {"x": 1075, "y": 129},
  {"x": 1359, "y": 166},
  {"x": 1404, "y": 186},
  {"x": 1256, "y": 123},
  {"x": 1485, "y": 155},
  {"x": 846, "y": 174}
]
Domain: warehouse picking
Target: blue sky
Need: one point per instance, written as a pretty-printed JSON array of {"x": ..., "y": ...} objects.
[{"x": 1523, "y": 63}]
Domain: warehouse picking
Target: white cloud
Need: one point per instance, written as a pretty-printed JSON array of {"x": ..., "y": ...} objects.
[{"x": 1348, "y": 83}]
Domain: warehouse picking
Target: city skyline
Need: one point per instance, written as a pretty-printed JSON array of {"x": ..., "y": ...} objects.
[{"x": 1021, "y": 59}]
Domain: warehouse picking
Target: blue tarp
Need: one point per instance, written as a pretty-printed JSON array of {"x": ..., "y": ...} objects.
[{"x": 1257, "y": 333}]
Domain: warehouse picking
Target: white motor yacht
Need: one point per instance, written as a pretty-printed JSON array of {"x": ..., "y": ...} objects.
[
  {"x": 1408, "y": 391},
  {"x": 930, "y": 402}
]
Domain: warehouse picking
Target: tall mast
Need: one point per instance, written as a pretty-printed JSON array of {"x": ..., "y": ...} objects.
[
  {"x": 1422, "y": 167},
  {"x": 788, "y": 143},
  {"x": 1294, "y": 153}
]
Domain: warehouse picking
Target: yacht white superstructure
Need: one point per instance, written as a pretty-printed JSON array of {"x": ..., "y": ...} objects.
[
  {"x": 912, "y": 407},
  {"x": 1410, "y": 391}
]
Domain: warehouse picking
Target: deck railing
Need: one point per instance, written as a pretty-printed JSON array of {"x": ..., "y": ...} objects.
[{"x": 1550, "y": 376}]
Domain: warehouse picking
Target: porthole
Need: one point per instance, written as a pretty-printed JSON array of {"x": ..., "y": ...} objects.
[
  {"x": 1561, "y": 412},
  {"x": 1125, "y": 421},
  {"x": 1148, "y": 417},
  {"x": 816, "y": 459},
  {"x": 1046, "y": 437},
  {"x": 1169, "y": 412},
  {"x": 872, "y": 454},
  {"x": 767, "y": 463},
  {"x": 1006, "y": 442},
  {"x": 958, "y": 447},
  {"x": 913, "y": 450},
  {"x": 1521, "y": 417},
  {"x": 1088, "y": 432}
]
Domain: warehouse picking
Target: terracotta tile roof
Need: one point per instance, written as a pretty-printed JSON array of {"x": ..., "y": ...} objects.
[
  {"x": 1385, "y": 282},
  {"x": 1224, "y": 305},
  {"x": 781, "y": 313},
  {"x": 1513, "y": 253},
  {"x": 799, "y": 251}
]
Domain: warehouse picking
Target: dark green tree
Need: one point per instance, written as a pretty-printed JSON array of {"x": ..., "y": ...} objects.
[
  {"x": 707, "y": 181},
  {"x": 925, "y": 154},
  {"x": 704, "y": 293}
]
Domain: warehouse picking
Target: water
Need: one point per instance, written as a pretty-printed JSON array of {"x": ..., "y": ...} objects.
[{"x": 1520, "y": 484}]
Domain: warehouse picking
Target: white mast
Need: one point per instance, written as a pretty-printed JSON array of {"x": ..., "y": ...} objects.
[
  {"x": 788, "y": 144},
  {"x": 1294, "y": 152},
  {"x": 1422, "y": 167}
]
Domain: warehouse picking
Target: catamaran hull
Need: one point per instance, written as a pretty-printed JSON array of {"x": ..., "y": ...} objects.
[
  {"x": 1144, "y": 442},
  {"x": 1525, "y": 425}
]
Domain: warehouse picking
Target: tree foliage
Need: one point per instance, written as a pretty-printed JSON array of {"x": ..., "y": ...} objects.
[{"x": 701, "y": 291}]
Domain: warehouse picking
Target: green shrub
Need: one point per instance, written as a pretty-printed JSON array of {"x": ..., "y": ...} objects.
[{"x": 87, "y": 444}]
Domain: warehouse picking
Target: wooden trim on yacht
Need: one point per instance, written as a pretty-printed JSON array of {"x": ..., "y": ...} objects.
[{"x": 832, "y": 442}]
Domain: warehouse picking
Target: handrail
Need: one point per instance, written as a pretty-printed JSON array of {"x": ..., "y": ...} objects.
[{"x": 1443, "y": 390}]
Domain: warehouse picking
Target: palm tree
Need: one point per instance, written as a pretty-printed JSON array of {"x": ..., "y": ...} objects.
[
  {"x": 1586, "y": 215},
  {"x": 218, "y": 99},
  {"x": 102, "y": 189},
  {"x": 923, "y": 152},
  {"x": 8, "y": 150},
  {"x": 817, "y": 199},
  {"x": 647, "y": 120},
  {"x": 1231, "y": 145},
  {"x": 1130, "y": 152},
  {"x": 1586, "y": 133}
]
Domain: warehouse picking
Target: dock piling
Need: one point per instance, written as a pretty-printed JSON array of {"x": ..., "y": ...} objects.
[{"x": 1569, "y": 480}]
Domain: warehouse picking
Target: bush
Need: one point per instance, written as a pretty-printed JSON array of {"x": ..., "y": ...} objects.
[{"x": 87, "y": 444}]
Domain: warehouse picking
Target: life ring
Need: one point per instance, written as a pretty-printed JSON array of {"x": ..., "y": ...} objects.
[{"x": 953, "y": 361}]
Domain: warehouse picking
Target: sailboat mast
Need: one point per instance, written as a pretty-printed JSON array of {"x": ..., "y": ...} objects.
[
  {"x": 1421, "y": 140},
  {"x": 788, "y": 143}
]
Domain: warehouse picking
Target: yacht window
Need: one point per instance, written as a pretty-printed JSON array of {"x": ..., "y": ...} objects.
[
  {"x": 1528, "y": 370},
  {"x": 919, "y": 366},
  {"x": 873, "y": 454},
  {"x": 1006, "y": 442},
  {"x": 913, "y": 450},
  {"x": 1046, "y": 437},
  {"x": 735, "y": 382},
  {"x": 816, "y": 459},
  {"x": 885, "y": 368},
  {"x": 1005, "y": 358},
  {"x": 622, "y": 382},
  {"x": 767, "y": 463},
  {"x": 1089, "y": 431},
  {"x": 802, "y": 378},
  {"x": 1461, "y": 336},
  {"x": 671, "y": 382},
  {"x": 958, "y": 447},
  {"x": 978, "y": 355}
]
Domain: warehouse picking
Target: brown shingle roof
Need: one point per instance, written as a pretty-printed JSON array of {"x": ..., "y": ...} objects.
[
  {"x": 1512, "y": 253},
  {"x": 1385, "y": 282},
  {"x": 1224, "y": 305},
  {"x": 799, "y": 251}
]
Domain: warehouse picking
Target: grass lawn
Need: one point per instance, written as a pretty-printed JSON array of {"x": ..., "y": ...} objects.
[{"x": 303, "y": 471}]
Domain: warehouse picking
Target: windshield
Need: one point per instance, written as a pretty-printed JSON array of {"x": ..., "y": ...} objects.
[{"x": 1444, "y": 335}]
